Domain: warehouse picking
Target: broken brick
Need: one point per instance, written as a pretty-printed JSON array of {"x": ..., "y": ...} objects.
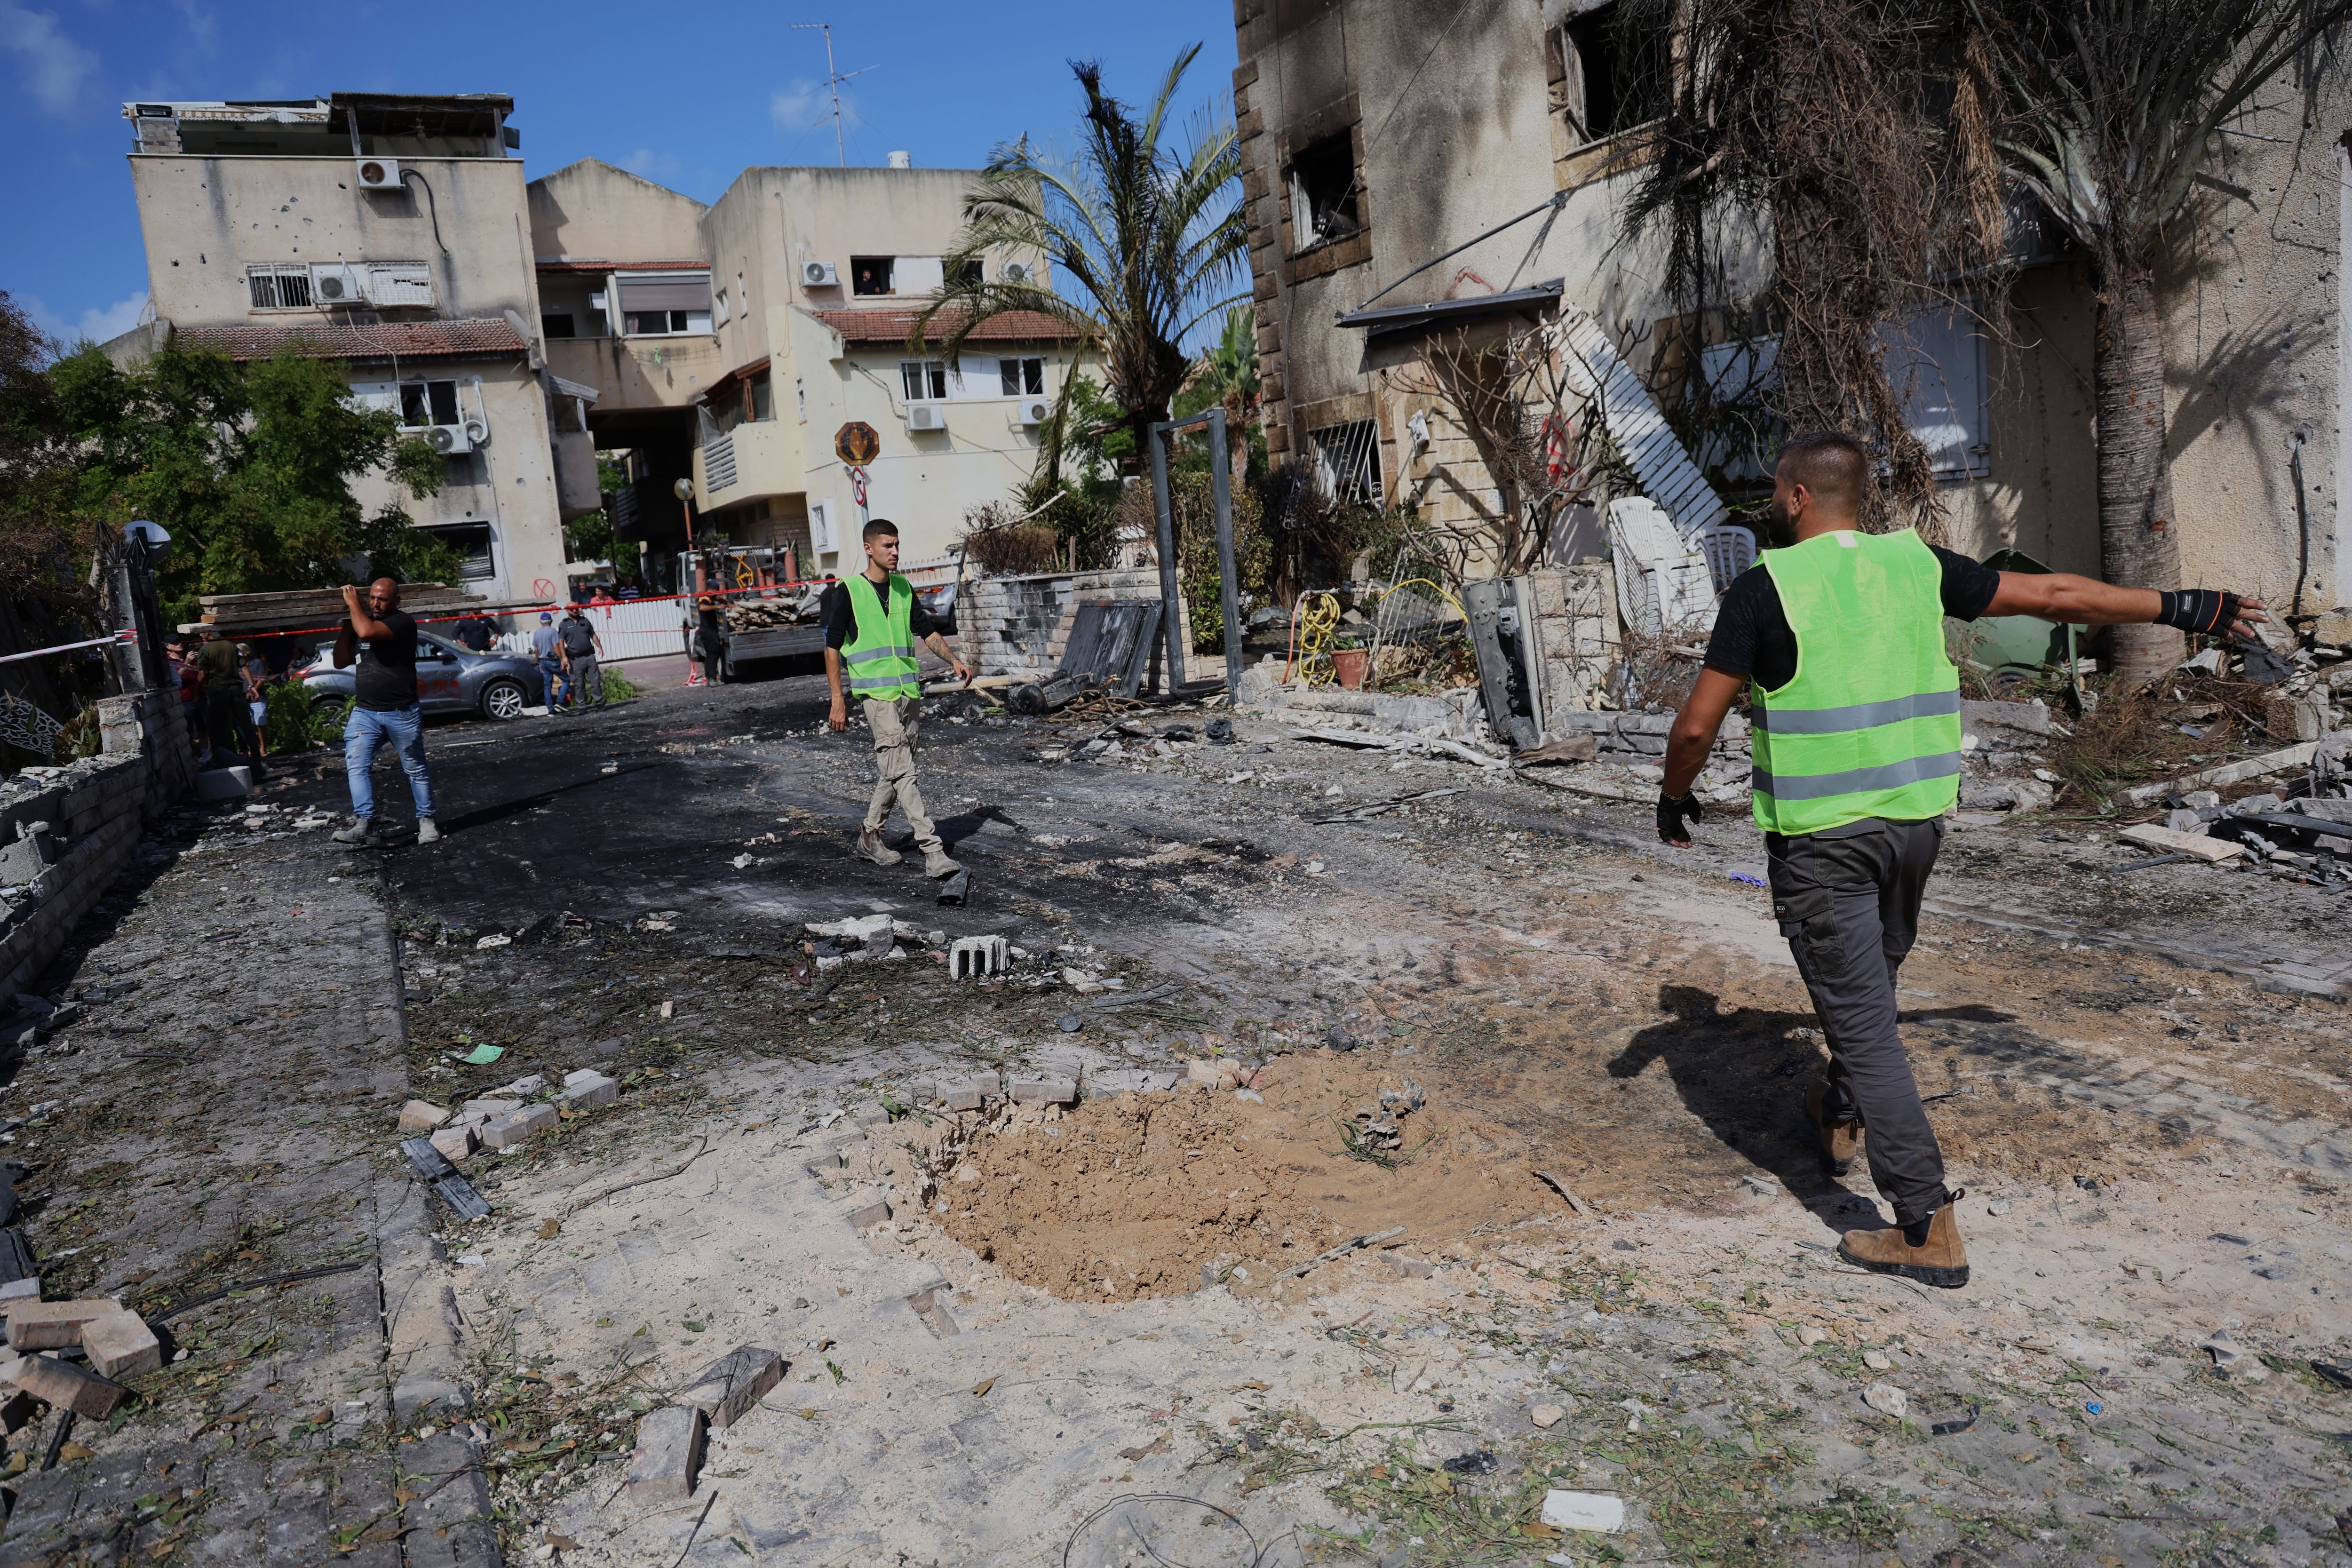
[
  {"x": 506, "y": 1131},
  {"x": 52, "y": 1325},
  {"x": 454, "y": 1143},
  {"x": 121, "y": 1344},
  {"x": 726, "y": 1390},
  {"x": 669, "y": 1452},
  {"x": 69, "y": 1387},
  {"x": 421, "y": 1116},
  {"x": 585, "y": 1088}
]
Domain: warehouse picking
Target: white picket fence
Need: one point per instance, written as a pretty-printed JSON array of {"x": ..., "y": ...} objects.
[{"x": 633, "y": 628}]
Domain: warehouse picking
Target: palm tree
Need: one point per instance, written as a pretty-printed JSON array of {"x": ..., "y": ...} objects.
[
  {"x": 1149, "y": 240},
  {"x": 2111, "y": 106}
]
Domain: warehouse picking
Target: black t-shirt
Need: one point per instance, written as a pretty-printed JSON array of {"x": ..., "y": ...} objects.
[
  {"x": 1753, "y": 641},
  {"x": 577, "y": 636},
  {"x": 476, "y": 633},
  {"x": 386, "y": 676},
  {"x": 840, "y": 616}
]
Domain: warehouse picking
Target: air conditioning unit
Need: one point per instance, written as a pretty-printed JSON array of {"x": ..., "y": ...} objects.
[
  {"x": 449, "y": 440},
  {"x": 819, "y": 275},
  {"x": 478, "y": 432},
  {"x": 334, "y": 283},
  {"x": 379, "y": 173},
  {"x": 926, "y": 416},
  {"x": 1035, "y": 410},
  {"x": 1014, "y": 272}
]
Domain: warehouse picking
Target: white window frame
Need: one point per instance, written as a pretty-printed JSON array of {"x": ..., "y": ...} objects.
[
  {"x": 387, "y": 283},
  {"x": 1018, "y": 370},
  {"x": 277, "y": 274},
  {"x": 1347, "y": 462},
  {"x": 932, "y": 375}
]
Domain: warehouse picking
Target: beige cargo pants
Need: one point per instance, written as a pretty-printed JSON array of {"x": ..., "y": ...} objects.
[{"x": 893, "y": 726}]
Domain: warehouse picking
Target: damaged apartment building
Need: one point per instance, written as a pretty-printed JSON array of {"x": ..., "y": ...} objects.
[
  {"x": 1379, "y": 149},
  {"x": 521, "y": 327}
]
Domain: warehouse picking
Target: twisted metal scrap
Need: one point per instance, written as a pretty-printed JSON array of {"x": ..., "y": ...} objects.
[{"x": 22, "y": 724}]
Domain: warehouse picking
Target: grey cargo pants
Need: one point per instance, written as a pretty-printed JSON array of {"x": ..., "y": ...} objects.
[{"x": 1848, "y": 901}]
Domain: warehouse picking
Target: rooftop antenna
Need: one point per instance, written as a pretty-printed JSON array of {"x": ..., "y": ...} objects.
[{"x": 833, "y": 80}]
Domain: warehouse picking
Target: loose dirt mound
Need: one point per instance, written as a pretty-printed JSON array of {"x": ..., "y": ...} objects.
[{"x": 1133, "y": 1196}]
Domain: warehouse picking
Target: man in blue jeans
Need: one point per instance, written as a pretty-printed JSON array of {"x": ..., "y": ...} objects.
[
  {"x": 546, "y": 645},
  {"x": 384, "y": 708}
]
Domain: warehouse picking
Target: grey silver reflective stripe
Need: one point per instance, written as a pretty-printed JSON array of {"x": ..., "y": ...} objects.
[
  {"x": 871, "y": 654},
  {"x": 881, "y": 680},
  {"x": 1856, "y": 781},
  {"x": 1854, "y": 715}
]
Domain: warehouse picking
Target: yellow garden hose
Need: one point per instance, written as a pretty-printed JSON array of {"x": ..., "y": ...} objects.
[{"x": 1312, "y": 620}]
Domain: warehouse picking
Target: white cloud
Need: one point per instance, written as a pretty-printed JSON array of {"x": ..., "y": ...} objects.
[
  {"x": 646, "y": 161},
  {"x": 804, "y": 104},
  {"x": 203, "y": 27},
  {"x": 54, "y": 64},
  {"x": 113, "y": 321},
  {"x": 98, "y": 324}
]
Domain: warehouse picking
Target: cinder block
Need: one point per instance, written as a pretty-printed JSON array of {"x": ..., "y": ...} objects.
[
  {"x": 962, "y": 1097},
  {"x": 492, "y": 1106},
  {"x": 726, "y": 1390},
  {"x": 420, "y": 1116},
  {"x": 52, "y": 1325},
  {"x": 988, "y": 1082},
  {"x": 669, "y": 1453},
  {"x": 872, "y": 1208},
  {"x": 121, "y": 1344},
  {"x": 454, "y": 1143},
  {"x": 1045, "y": 1092},
  {"x": 69, "y": 1387},
  {"x": 506, "y": 1131},
  {"x": 224, "y": 784},
  {"x": 586, "y": 1088}
]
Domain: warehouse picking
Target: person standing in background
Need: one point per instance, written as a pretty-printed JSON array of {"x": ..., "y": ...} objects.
[
  {"x": 546, "y": 647},
  {"x": 576, "y": 640},
  {"x": 711, "y": 640},
  {"x": 478, "y": 631},
  {"x": 228, "y": 714}
]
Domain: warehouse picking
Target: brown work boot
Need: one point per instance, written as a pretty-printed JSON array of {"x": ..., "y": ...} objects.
[
  {"x": 1841, "y": 1140},
  {"x": 1940, "y": 1260},
  {"x": 871, "y": 847}
]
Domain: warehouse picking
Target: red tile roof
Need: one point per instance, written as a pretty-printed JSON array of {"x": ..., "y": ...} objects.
[
  {"x": 892, "y": 326},
  {"x": 479, "y": 339}
]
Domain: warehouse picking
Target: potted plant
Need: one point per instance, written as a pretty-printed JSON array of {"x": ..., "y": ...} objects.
[{"x": 1349, "y": 659}]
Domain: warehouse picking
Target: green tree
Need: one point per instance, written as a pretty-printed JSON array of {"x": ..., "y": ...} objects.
[
  {"x": 1150, "y": 239},
  {"x": 249, "y": 468},
  {"x": 2108, "y": 109},
  {"x": 591, "y": 538}
]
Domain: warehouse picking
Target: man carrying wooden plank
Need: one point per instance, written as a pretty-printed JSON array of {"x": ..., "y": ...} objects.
[
  {"x": 1855, "y": 715},
  {"x": 873, "y": 623}
]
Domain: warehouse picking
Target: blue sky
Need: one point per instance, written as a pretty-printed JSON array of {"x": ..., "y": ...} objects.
[{"x": 684, "y": 95}]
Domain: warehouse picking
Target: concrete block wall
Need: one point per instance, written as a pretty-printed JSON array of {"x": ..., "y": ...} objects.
[
  {"x": 1576, "y": 636},
  {"x": 96, "y": 809},
  {"x": 1021, "y": 626}
]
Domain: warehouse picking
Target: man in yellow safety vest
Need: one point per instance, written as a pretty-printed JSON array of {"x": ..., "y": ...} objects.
[
  {"x": 1855, "y": 715},
  {"x": 873, "y": 623}
]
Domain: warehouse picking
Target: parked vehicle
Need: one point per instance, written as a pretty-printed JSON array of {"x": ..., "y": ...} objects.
[{"x": 449, "y": 679}]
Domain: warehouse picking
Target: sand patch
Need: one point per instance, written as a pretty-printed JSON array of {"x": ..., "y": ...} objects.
[{"x": 1133, "y": 1195}]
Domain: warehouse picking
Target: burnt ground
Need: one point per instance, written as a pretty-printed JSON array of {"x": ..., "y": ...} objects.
[{"x": 2145, "y": 1083}]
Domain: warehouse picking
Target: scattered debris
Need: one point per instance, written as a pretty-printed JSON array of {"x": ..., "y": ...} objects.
[
  {"x": 1560, "y": 1185},
  {"x": 1341, "y": 1250},
  {"x": 975, "y": 956},
  {"x": 668, "y": 1455},
  {"x": 1597, "y": 1511},
  {"x": 1888, "y": 1400},
  {"x": 2149, "y": 836},
  {"x": 726, "y": 1390},
  {"x": 454, "y": 1189}
]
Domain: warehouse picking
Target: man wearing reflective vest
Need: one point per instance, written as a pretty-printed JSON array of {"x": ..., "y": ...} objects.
[
  {"x": 1855, "y": 716},
  {"x": 872, "y": 624}
]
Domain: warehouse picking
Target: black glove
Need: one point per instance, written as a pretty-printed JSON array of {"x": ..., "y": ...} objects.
[
  {"x": 2200, "y": 610},
  {"x": 1673, "y": 813}
]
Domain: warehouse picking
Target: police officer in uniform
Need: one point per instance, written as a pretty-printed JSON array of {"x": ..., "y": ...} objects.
[{"x": 1855, "y": 715}]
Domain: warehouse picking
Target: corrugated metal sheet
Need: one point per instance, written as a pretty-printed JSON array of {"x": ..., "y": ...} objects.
[{"x": 1596, "y": 370}]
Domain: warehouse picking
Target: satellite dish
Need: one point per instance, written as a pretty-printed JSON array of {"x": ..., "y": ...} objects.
[{"x": 150, "y": 534}]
